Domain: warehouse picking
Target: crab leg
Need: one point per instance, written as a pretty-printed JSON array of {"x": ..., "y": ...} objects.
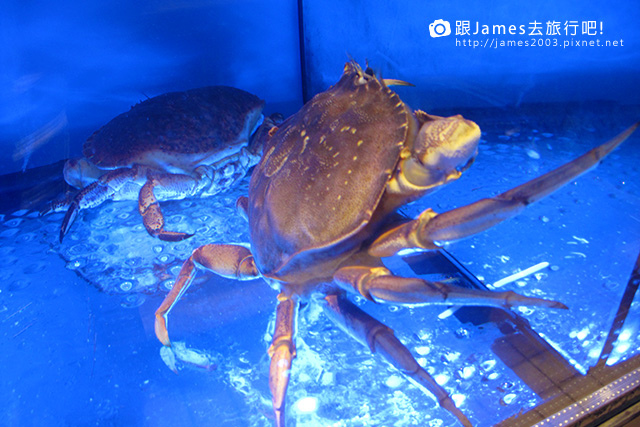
[
  {"x": 172, "y": 186},
  {"x": 379, "y": 285},
  {"x": 230, "y": 261},
  {"x": 380, "y": 338},
  {"x": 429, "y": 230},
  {"x": 98, "y": 192},
  {"x": 282, "y": 352}
]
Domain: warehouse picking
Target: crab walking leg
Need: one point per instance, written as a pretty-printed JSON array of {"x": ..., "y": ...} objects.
[
  {"x": 282, "y": 352},
  {"x": 98, "y": 192},
  {"x": 430, "y": 229},
  {"x": 231, "y": 261},
  {"x": 381, "y": 339},
  {"x": 380, "y": 285}
]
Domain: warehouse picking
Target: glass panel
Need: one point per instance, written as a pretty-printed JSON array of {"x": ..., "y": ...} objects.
[{"x": 76, "y": 317}]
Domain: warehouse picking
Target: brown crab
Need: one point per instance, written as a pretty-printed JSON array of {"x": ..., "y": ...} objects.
[
  {"x": 322, "y": 212},
  {"x": 176, "y": 145}
]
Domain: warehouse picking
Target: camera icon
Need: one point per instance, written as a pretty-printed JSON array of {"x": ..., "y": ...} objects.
[{"x": 439, "y": 28}]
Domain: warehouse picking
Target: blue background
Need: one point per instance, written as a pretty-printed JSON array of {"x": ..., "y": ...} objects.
[{"x": 69, "y": 67}]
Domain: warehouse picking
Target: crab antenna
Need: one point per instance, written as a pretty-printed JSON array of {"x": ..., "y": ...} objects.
[{"x": 396, "y": 82}]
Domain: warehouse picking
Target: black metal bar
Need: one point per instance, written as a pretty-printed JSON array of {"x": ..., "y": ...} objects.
[{"x": 303, "y": 57}]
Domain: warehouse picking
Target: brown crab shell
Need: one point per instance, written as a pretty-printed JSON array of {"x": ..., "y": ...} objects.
[
  {"x": 323, "y": 174},
  {"x": 177, "y": 131}
]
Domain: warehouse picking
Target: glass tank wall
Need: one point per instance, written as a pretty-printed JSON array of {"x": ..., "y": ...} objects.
[{"x": 545, "y": 82}]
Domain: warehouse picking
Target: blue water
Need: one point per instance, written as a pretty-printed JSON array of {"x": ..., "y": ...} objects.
[
  {"x": 77, "y": 346},
  {"x": 77, "y": 317}
]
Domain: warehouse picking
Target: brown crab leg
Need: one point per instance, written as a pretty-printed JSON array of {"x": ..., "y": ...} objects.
[
  {"x": 230, "y": 261},
  {"x": 282, "y": 352},
  {"x": 430, "y": 230},
  {"x": 381, "y": 339},
  {"x": 380, "y": 285},
  {"x": 97, "y": 193}
]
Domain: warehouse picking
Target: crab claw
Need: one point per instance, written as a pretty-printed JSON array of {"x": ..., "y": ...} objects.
[{"x": 431, "y": 230}]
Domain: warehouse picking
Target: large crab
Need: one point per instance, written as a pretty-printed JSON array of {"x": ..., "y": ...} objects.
[
  {"x": 180, "y": 144},
  {"x": 322, "y": 212}
]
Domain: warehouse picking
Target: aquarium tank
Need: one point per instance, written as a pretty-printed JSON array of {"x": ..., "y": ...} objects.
[{"x": 132, "y": 134}]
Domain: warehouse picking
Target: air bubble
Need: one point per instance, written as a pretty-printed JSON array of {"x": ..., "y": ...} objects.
[
  {"x": 488, "y": 365},
  {"x": 582, "y": 334},
  {"x": 134, "y": 262},
  {"x": 13, "y": 222},
  {"x": 441, "y": 379},
  {"x": 526, "y": 311},
  {"x": 451, "y": 356},
  {"x": 507, "y": 385},
  {"x": 610, "y": 285},
  {"x": 99, "y": 239},
  {"x": 126, "y": 286},
  {"x": 176, "y": 219},
  {"x": 467, "y": 372},
  {"x": 462, "y": 333},
  {"x": 165, "y": 258},
  {"x": 394, "y": 381},
  {"x": 508, "y": 399},
  {"x": 26, "y": 237},
  {"x": 306, "y": 405},
  {"x": 19, "y": 284},
  {"x": 133, "y": 301},
  {"x": 458, "y": 399},
  {"x": 533, "y": 154},
  {"x": 423, "y": 350},
  {"x": 76, "y": 264}
]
